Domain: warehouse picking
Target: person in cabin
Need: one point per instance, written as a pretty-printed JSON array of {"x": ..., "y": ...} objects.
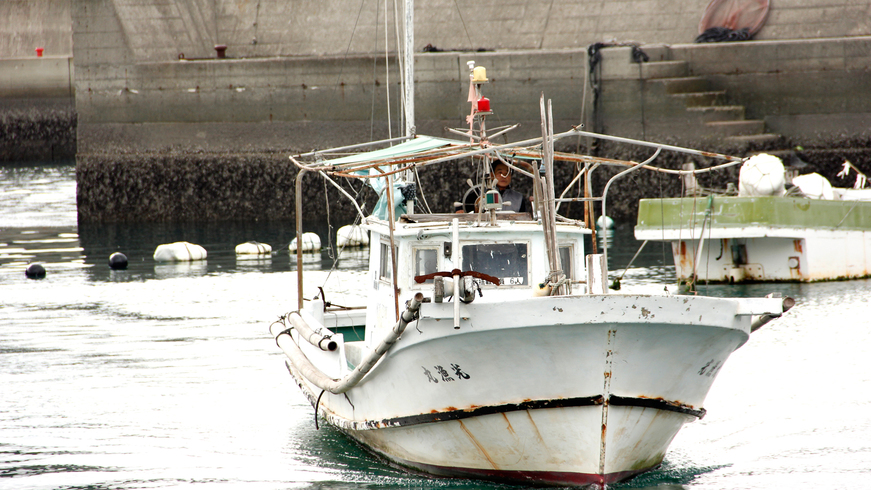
[
  {"x": 501, "y": 175},
  {"x": 517, "y": 201}
]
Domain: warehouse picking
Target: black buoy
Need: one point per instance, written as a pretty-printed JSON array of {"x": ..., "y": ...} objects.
[
  {"x": 118, "y": 261},
  {"x": 35, "y": 271}
]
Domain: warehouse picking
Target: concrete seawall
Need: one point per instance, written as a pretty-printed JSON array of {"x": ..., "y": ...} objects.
[
  {"x": 37, "y": 109},
  {"x": 204, "y": 109},
  {"x": 37, "y": 94},
  {"x": 159, "y": 116}
]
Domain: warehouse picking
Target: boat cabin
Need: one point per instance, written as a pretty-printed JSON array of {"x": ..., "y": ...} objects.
[{"x": 500, "y": 261}]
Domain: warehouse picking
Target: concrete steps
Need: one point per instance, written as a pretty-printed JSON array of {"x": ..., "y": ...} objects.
[
  {"x": 757, "y": 139},
  {"x": 717, "y": 113},
  {"x": 664, "y": 69},
  {"x": 677, "y": 85},
  {"x": 709, "y": 107},
  {"x": 737, "y": 128},
  {"x": 702, "y": 99}
]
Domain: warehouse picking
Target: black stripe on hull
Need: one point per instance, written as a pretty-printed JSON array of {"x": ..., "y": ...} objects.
[
  {"x": 427, "y": 418},
  {"x": 657, "y": 403}
]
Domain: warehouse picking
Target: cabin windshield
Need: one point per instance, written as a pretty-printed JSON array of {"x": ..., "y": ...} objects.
[
  {"x": 507, "y": 261},
  {"x": 426, "y": 261}
]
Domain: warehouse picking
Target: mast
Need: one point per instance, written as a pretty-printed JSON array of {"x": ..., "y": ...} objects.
[
  {"x": 408, "y": 67},
  {"x": 408, "y": 86}
]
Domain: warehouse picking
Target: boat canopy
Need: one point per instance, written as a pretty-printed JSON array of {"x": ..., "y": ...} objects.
[{"x": 402, "y": 150}]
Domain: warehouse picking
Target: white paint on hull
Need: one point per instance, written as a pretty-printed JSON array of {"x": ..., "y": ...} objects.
[
  {"x": 812, "y": 255},
  {"x": 547, "y": 440}
]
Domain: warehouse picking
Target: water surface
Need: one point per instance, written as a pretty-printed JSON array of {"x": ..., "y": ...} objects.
[{"x": 165, "y": 376}]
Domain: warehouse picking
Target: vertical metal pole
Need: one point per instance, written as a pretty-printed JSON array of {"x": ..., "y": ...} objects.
[
  {"x": 556, "y": 265},
  {"x": 587, "y": 194},
  {"x": 590, "y": 211},
  {"x": 392, "y": 217},
  {"x": 298, "y": 197},
  {"x": 542, "y": 182},
  {"x": 549, "y": 210},
  {"x": 455, "y": 253}
]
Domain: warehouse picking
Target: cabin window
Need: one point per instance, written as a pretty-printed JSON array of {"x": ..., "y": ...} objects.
[
  {"x": 506, "y": 261},
  {"x": 566, "y": 252},
  {"x": 385, "y": 270},
  {"x": 426, "y": 261}
]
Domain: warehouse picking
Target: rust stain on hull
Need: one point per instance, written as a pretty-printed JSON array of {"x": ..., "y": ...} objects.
[
  {"x": 797, "y": 245},
  {"x": 508, "y": 423},
  {"x": 478, "y": 445},
  {"x": 535, "y": 428}
]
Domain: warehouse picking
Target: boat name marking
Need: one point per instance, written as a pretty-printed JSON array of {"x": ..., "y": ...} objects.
[
  {"x": 444, "y": 374},
  {"x": 710, "y": 368}
]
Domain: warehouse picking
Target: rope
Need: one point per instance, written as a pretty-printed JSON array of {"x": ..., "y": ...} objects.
[
  {"x": 356, "y": 222},
  {"x": 350, "y": 40},
  {"x": 556, "y": 285},
  {"x": 662, "y": 220},
  {"x": 417, "y": 179},
  {"x": 639, "y": 56},
  {"x": 329, "y": 223},
  {"x": 616, "y": 284},
  {"x": 708, "y": 255},
  {"x": 460, "y": 14}
]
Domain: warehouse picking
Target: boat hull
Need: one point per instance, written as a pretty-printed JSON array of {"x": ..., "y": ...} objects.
[
  {"x": 552, "y": 446},
  {"x": 556, "y": 390}
]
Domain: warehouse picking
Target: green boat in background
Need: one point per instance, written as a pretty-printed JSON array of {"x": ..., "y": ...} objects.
[{"x": 813, "y": 232}]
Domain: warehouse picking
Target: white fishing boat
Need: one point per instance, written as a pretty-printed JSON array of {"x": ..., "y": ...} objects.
[
  {"x": 493, "y": 347},
  {"x": 809, "y": 232}
]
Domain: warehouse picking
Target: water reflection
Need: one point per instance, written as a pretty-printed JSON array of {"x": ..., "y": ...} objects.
[
  {"x": 53, "y": 247},
  {"x": 605, "y": 237},
  {"x": 195, "y": 268},
  {"x": 37, "y": 195},
  {"x": 88, "y": 248},
  {"x": 251, "y": 263}
]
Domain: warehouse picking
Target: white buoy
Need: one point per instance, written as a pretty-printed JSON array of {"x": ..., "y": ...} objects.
[
  {"x": 179, "y": 252},
  {"x": 604, "y": 222},
  {"x": 814, "y": 186},
  {"x": 762, "y": 175},
  {"x": 253, "y": 248},
  {"x": 352, "y": 236},
  {"x": 311, "y": 242}
]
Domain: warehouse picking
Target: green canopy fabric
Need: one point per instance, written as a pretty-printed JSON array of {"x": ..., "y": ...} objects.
[{"x": 410, "y": 147}]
